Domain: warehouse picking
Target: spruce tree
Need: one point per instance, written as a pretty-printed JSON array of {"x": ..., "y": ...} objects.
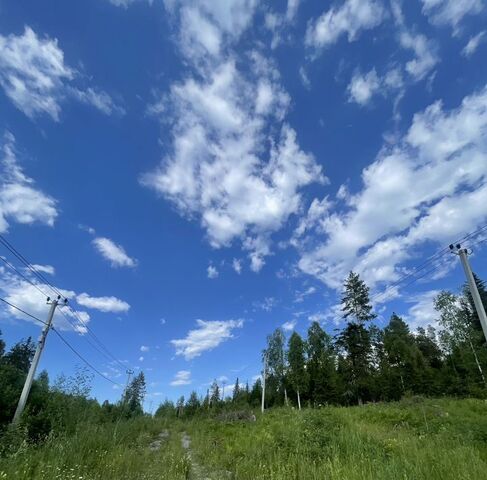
[{"x": 355, "y": 338}]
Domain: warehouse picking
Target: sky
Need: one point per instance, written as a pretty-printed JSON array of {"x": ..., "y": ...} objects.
[{"x": 192, "y": 175}]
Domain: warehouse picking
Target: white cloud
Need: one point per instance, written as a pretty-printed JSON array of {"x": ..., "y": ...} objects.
[
  {"x": 126, "y": 3},
  {"x": 289, "y": 326},
  {"x": 300, "y": 296},
  {"x": 473, "y": 43},
  {"x": 426, "y": 57},
  {"x": 363, "y": 87},
  {"x": 423, "y": 312},
  {"x": 267, "y": 304},
  {"x": 219, "y": 168},
  {"x": 304, "y": 78},
  {"x": 183, "y": 377},
  {"x": 212, "y": 272},
  {"x": 237, "y": 265},
  {"x": 114, "y": 253},
  {"x": 207, "y": 336},
  {"x": 144, "y": 348},
  {"x": 450, "y": 12},
  {"x": 292, "y": 9},
  {"x": 36, "y": 79},
  {"x": 20, "y": 201},
  {"x": 44, "y": 269},
  {"x": 104, "y": 304},
  {"x": 141, "y": 358},
  {"x": 350, "y": 18},
  {"x": 424, "y": 49},
  {"x": 413, "y": 192},
  {"x": 30, "y": 299}
]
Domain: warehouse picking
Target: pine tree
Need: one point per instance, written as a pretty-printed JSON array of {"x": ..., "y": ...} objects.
[
  {"x": 134, "y": 395},
  {"x": 193, "y": 404},
  {"x": 355, "y": 300},
  {"x": 355, "y": 338},
  {"x": 297, "y": 374},
  {"x": 236, "y": 392}
]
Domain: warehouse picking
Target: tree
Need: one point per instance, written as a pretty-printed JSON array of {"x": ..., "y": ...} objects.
[
  {"x": 297, "y": 373},
  {"x": 355, "y": 338},
  {"x": 180, "y": 406},
  {"x": 214, "y": 394},
  {"x": 134, "y": 395},
  {"x": 460, "y": 334},
  {"x": 276, "y": 366},
  {"x": 401, "y": 365},
  {"x": 21, "y": 354},
  {"x": 236, "y": 392},
  {"x": 193, "y": 404},
  {"x": 321, "y": 365},
  {"x": 355, "y": 300}
]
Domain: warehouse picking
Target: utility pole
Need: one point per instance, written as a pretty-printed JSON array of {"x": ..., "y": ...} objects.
[
  {"x": 463, "y": 254},
  {"x": 35, "y": 361},
  {"x": 263, "y": 382},
  {"x": 129, "y": 374}
]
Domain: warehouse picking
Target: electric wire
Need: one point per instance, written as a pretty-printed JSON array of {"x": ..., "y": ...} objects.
[
  {"x": 63, "y": 340},
  {"x": 84, "y": 359},
  {"x": 45, "y": 281},
  {"x": 22, "y": 311}
]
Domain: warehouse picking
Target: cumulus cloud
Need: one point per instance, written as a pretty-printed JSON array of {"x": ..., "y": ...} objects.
[
  {"x": 104, "y": 304},
  {"x": 350, "y": 18},
  {"x": 144, "y": 348},
  {"x": 183, "y": 377},
  {"x": 37, "y": 80},
  {"x": 20, "y": 200},
  {"x": 413, "y": 192},
  {"x": 44, "y": 269},
  {"x": 218, "y": 169},
  {"x": 289, "y": 326},
  {"x": 207, "y": 336},
  {"x": 237, "y": 265},
  {"x": 32, "y": 300},
  {"x": 422, "y": 313},
  {"x": 473, "y": 43},
  {"x": 363, "y": 87},
  {"x": 114, "y": 253},
  {"x": 212, "y": 272},
  {"x": 450, "y": 12}
]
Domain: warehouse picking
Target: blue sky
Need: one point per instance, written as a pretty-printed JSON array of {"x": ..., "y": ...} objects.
[{"x": 194, "y": 174}]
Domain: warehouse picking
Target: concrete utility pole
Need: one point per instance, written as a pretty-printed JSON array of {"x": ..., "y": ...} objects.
[
  {"x": 263, "y": 382},
  {"x": 463, "y": 254},
  {"x": 35, "y": 362}
]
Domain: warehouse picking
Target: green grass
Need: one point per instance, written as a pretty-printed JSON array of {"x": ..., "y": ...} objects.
[
  {"x": 103, "y": 452},
  {"x": 414, "y": 439},
  {"x": 433, "y": 439}
]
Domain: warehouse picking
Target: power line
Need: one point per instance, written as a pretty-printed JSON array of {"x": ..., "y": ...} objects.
[
  {"x": 23, "y": 276},
  {"x": 62, "y": 338},
  {"x": 43, "y": 279},
  {"x": 23, "y": 311},
  {"x": 435, "y": 257},
  {"x": 84, "y": 359},
  {"x": 20, "y": 257}
]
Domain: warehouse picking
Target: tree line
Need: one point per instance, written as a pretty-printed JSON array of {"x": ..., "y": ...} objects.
[
  {"x": 362, "y": 362},
  {"x": 59, "y": 407}
]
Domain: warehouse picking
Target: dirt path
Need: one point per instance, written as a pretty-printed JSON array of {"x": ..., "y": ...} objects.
[
  {"x": 161, "y": 438},
  {"x": 197, "y": 471}
]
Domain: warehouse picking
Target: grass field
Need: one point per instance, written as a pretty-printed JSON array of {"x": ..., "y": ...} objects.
[{"x": 413, "y": 439}]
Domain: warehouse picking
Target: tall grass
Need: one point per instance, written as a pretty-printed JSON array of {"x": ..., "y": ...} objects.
[
  {"x": 104, "y": 452},
  {"x": 433, "y": 439},
  {"x": 414, "y": 439}
]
